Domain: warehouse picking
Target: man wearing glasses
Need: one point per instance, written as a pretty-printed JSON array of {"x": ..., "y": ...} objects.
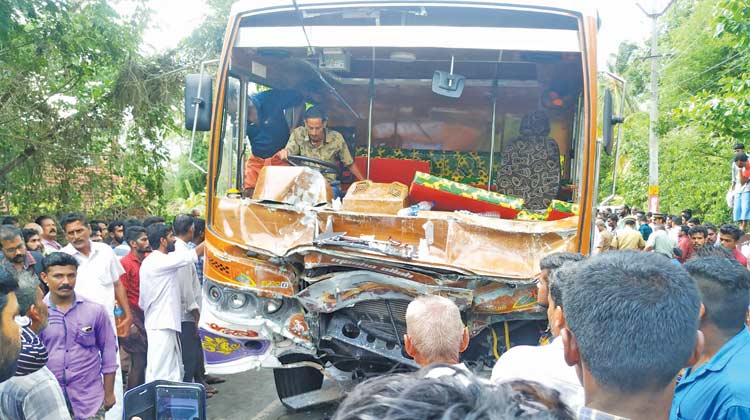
[{"x": 15, "y": 255}]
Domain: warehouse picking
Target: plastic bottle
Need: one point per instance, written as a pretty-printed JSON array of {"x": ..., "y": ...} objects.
[
  {"x": 119, "y": 315},
  {"x": 416, "y": 208}
]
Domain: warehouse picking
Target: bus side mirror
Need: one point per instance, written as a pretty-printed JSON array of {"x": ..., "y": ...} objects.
[
  {"x": 609, "y": 122},
  {"x": 448, "y": 84},
  {"x": 198, "y": 102}
]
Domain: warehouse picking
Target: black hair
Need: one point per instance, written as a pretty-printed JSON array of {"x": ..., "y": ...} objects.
[
  {"x": 96, "y": 222},
  {"x": 685, "y": 229},
  {"x": 714, "y": 251},
  {"x": 739, "y": 146},
  {"x": 620, "y": 298},
  {"x": 150, "y": 220},
  {"x": 740, "y": 157},
  {"x": 630, "y": 222},
  {"x": 724, "y": 285},
  {"x": 73, "y": 217},
  {"x": 132, "y": 233},
  {"x": 10, "y": 220},
  {"x": 39, "y": 220},
  {"x": 58, "y": 259},
  {"x": 698, "y": 229},
  {"x": 182, "y": 224},
  {"x": 114, "y": 224},
  {"x": 315, "y": 112},
  {"x": 694, "y": 220},
  {"x": 94, "y": 227},
  {"x": 156, "y": 232},
  {"x": 641, "y": 217},
  {"x": 10, "y": 232},
  {"x": 199, "y": 226},
  {"x": 131, "y": 222},
  {"x": 26, "y": 294},
  {"x": 727, "y": 229},
  {"x": 8, "y": 284},
  {"x": 676, "y": 220},
  {"x": 557, "y": 259},
  {"x": 710, "y": 226},
  {"x": 28, "y": 233},
  {"x": 613, "y": 217},
  {"x": 559, "y": 279}
]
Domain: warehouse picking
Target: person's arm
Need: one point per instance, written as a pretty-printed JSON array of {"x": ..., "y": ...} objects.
[
  {"x": 180, "y": 258},
  {"x": 357, "y": 174},
  {"x": 121, "y": 297},
  {"x": 291, "y": 148},
  {"x": 641, "y": 243},
  {"x": 346, "y": 158},
  {"x": 107, "y": 344},
  {"x": 109, "y": 391}
]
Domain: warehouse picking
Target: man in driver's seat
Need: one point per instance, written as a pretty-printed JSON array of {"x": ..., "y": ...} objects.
[{"x": 315, "y": 141}]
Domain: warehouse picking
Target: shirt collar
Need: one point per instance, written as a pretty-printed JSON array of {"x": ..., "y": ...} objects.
[
  {"x": 720, "y": 359},
  {"x": 76, "y": 300},
  {"x": 325, "y": 136},
  {"x": 588, "y": 413}
]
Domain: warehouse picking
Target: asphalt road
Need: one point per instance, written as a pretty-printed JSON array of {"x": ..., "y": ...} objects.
[{"x": 252, "y": 396}]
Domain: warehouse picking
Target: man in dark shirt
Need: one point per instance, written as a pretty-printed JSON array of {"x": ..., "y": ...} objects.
[{"x": 267, "y": 130}]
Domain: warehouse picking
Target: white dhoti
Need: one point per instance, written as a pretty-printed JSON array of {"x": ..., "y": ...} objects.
[{"x": 164, "y": 356}]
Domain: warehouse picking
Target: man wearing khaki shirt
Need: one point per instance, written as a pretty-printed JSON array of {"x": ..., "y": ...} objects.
[{"x": 628, "y": 237}]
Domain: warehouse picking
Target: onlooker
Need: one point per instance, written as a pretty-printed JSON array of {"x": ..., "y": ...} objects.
[
  {"x": 150, "y": 220},
  {"x": 33, "y": 240},
  {"x": 546, "y": 364},
  {"x": 435, "y": 332},
  {"x": 628, "y": 237},
  {"x": 621, "y": 298},
  {"x": 33, "y": 311},
  {"x": 685, "y": 216},
  {"x": 738, "y": 148},
  {"x": 660, "y": 243},
  {"x": 547, "y": 266},
  {"x": 714, "y": 251},
  {"x": 456, "y": 396},
  {"x": 10, "y": 336},
  {"x": 742, "y": 191},
  {"x": 605, "y": 237},
  {"x": 612, "y": 222},
  {"x": 36, "y": 395},
  {"x": 717, "y": 386},
  {"x": 9, "y": 221},
  {"x": 712, "y": 235},
  {"x": 80, "y": 340},
  {"x": 135, "y": 344},
  {"x": 49, "y": 234},
  {"x": 729, "y": 235},
  {"x": 684, "y": 244},
  {"x": 98, "y": 280},
  {"x": 698, "y": 235},
  {"x": 643, "y": 226},
  {"x": 160, "y": 300},
  {"x": 96, "y": 233},
  {"x": 15, "y": 255},
  {"x": 674, "y": 226},
  {"x": 117, "y": 241},
  {"x": 693, "y": 222},
  {"x": 199, "y": 235}
]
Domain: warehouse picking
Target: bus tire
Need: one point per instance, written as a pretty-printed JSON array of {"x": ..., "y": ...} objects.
[{"x": 295, "y": 381}]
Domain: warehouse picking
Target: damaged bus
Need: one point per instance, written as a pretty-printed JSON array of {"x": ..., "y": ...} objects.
[{"x": 475, "y": 124}]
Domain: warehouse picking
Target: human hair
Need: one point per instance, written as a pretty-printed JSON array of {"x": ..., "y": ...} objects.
[
  {"x": 630, "y": 222},
  {"x": 694, "y": 220},
  {"x": 557, "y": 259},
  {"x": 457, "y": 396},
  {"x": 600, "y": 222},
  {"x": 676, "y": 220},
  {"x": 698, "y": 229},
  {"x": 9, "y": 233},
  {"x": 8, "y": 284},
  {"x": 434, "y": 325},
  {"x": 685, "y": 229},
  {"x": 150, "y": 220},
  {"x": 58, "y": 259},
  {"x": 659, "y": 227},
  {"x": 714, "y": 251},
  {"x": 39, "y": 220},
  {"x": 739, "y": 146},
  {"x": 314, "y": 113},
  {"x": 199, "y": 226},
  {"x": 10, "y": 220},
  {"x": 740, "y": 157},
  {"x": 28, "y": 233},
  {"x": 613, "y": 217},
  {"x": 114, "y": 224},
  {"x": 132, "y": 233},
  {"x": 95, "y": 228},
  {"x": 559, "y": 279},
  {"x": 727, "y": 229},
  {"x": 634, "y": 316},
  {"x": 709, "y": 226},
  {"x": 26, "y": 292},
  {"x": 641, "y": 217},
  {"x": 724, "y": 286},
  {"x": 72, "y": 218},
  {"x": 155, "y": 234},
  {"x": 182, "y": 224}
]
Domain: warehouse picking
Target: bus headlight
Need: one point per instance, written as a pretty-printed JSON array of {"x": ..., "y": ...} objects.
[
  {"x": 214, "y": 294},
  {"x": 271, "y": 306},
  {"x": 237, "y": 300}
]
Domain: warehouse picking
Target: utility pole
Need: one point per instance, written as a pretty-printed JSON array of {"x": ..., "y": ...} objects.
[{"x": 653, "y": 141}]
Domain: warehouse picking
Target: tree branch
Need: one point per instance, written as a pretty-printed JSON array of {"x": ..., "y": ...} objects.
[{"x": 17, "y": 161}]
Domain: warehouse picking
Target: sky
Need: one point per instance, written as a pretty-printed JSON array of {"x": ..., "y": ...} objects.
[{"x": 174, "y": 19}]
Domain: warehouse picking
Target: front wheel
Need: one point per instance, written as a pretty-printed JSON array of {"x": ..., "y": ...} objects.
[{"x": 296, "y": 381}]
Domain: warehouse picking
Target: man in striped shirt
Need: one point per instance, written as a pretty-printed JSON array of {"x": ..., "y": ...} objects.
[{"x": 33, "y": 318}]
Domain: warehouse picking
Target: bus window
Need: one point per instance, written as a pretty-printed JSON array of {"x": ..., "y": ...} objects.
[{"x": 229, "y": 169}]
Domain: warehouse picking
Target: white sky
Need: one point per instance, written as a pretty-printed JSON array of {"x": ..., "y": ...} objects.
[{"x": 173, "y": 20}]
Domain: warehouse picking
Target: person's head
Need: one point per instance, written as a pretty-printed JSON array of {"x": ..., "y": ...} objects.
[
  {"x": 739, "y": 147},
  {"x": 453, "y": 396},
  {"x": 96, "y": 233},
  {"x": 31, "y": 300},
  {"x": 549, "y": 264},
  {"x": 161, "y": 237},
  {"x": 684, "y": 231},
  {"x": 693, "y": 221},
  {"x": 10, "y": 221},
  {"x": 729, "y": 235},
  {"x": 33, "y": 226},
  {"x": 77, "y": 231},
  {"x": 630, "y": 222},
  {"x": 632, "y": 323},
  {"x": 649, "y": 217},
  {"x": 435, "y": 332},
  {"x": 740, "y": 159},
  {"x": 713, "y": 251},
  {"x": 724, "y": 285},
  {"x": 600, "y": 225},
  {"x": 199, "y": 230},
  {"x": 196, "y": 213},
  {"x": 116, "y": 231},
  {"x": 32, "y": 239},
  {"x": 641, "y": 219},
  {"x": 59, "y": 272},
  {"x": 183, "y": 227},
  {"x": 150, "y": 220},
  {"x": 137, "y": 239},
  {"x": 686, "y": 215},
  {"x": 711, "y": 233},
  {"x": 624, "y": 210},
  {"x": 658, "y": 218},
  {"x": 557, "y": 283},
  {"x": 315, "y": 123},
  {"x": 11, "y": 240},
  {"x": 49, "y": 227},
  {"x": 612, "y": 220},
  {"x": 10, "y": 337},
  {"x": 698, "y": 235}
]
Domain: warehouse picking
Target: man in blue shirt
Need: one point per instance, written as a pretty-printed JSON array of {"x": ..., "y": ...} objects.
[
  {"x": 717, "y": 387},
  {"x": 267, "y": 130}
]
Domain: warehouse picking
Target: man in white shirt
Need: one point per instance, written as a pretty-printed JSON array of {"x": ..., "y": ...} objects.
[
  {"x": 546, "y": 364},
  {"x": 160, "y": 300},
  {"x": 98, "y": 280}
]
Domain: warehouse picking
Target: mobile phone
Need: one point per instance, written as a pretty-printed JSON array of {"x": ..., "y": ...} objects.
[{"x": 180, "y": 402}]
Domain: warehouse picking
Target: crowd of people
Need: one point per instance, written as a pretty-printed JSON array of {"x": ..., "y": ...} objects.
[{"x": 116, "y": 307}]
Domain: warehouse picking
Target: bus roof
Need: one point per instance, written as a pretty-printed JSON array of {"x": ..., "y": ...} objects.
[{"x": 583, "y": 7}]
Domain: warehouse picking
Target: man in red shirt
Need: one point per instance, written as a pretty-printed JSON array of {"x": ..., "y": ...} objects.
[
  {"x": 729, "y": 235},
  {"x": 684, "y": 244},
  {"x": 135, "y": 344}
]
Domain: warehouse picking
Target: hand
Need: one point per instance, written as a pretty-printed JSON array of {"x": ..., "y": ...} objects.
[
  {"x": 282, "y": 154},
  {"x": 109, "y": 400},
  {"x": 125, "y": 324}
]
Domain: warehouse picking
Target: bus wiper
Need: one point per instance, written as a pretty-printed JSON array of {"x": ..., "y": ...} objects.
[{"x": 332, "y": 89}]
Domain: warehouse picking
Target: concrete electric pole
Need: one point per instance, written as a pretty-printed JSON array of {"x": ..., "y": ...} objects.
[{"x": 653, "y": 141}]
